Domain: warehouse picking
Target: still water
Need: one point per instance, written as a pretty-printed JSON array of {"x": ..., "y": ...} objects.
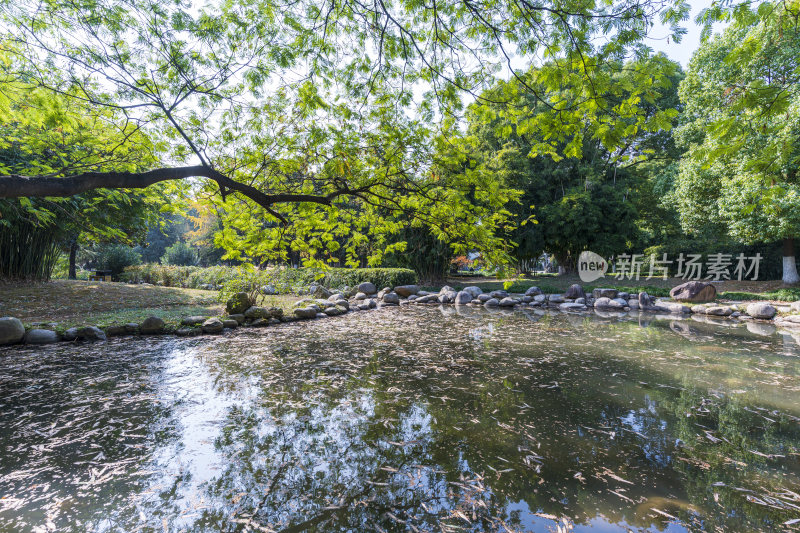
[{"x": 408, "y": 419}]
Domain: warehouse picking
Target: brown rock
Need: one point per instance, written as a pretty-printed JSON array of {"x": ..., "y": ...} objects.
[{"x": 694, "y": 291}]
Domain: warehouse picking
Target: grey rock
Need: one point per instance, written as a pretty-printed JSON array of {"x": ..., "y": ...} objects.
[
  {"x": 604, "y": 293},
  {"x": 603, "y": 302},
  {"x": 238, "y": 317},
  {"x": 473, "y": 291},
  {"x": 761, "y": 310},
  {"x": 795, "y": 307},
  {"x": 72, "y": 334},
  {"x": 463, "y": 297},
  {"x": 694, "y": 291},
  {"x": 336, "y": 296},
  {"x": 540, "y": 298},
  {"x": 391, "y": 298},
  {"x": 624, "y": 295},
  {"x": 527, "y": 299},
  {"x": 132, "y": 328},
  {"x": 500, "y": 294},
  {"x": 575, "y": 291},
  {"x": 363, "y": 307},
  {"x": 238, "y": 303},
  {"x": 321, "y": 315},
  {"x": 367, "y": 288},
  {"x": 40, "y": 336},
  {"x": 621, "y": 301},
  {"x": 483, "y": 298},
  {"x": 335, "y": 311},
  {"x": 671, "y": 307},
  {"x": 11, "y": 330},
  {"x": 574, "y": 306},
  {"x": 151, "y": 326},
  {"x": 360, "y": 296},
  {"x": 260, "y": 322},
  {"x": 492, "y": 302},
  {"x": 555, "y": 299},
  {"x": 230, "y": 323},
  {"x": 254, "y": 312},
  {"x": 645, "y": 300},
  {"x": 268, "y": 290},
  {"x": 446, "y": 288},
  {"x": 533, "y": 291},
  {"x": 116, "y": 331},
  {"x": 698, "y": 309},
  {"x": 581, "y": 301},
  {"x": 719, "y": 310},
  {"x": 507, "y": 302},
  {"x": 406, "y": 290},
  {"x": 193, "y": 320},
  {"x": 91, "y": 333},
  {"x": 305, "y": 312},
  {"x": 372, "y": 303},
  {"x": 213, "y": 325},
  {"x": 633, "y": 303},
  {"x": 320, "y": 292},
  {"x": 342, "y": 303}
]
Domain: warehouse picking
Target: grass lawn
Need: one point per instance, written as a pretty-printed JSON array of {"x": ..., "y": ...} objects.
[
  {"x": 727, "y": 290},
  {"x": 64, "y": 304}
]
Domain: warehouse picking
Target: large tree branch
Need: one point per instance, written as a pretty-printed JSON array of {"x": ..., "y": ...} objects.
[{"x": 15, "y": 186}]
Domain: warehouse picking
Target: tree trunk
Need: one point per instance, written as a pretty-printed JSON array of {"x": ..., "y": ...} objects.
[
  {"x": 789, "y": 265},
  {"x": 73, "y": 251}
]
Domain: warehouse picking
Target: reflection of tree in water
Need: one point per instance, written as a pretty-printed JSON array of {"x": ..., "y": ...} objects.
[{"x": 457, "y": 436}]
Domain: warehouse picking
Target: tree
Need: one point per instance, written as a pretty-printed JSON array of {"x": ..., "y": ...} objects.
[
  {"x": 180, "y": 254},
  {"x": 742, "y": 100},
  {"x": 218, "y": 89}
]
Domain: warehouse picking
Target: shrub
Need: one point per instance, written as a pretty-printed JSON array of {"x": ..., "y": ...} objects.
[
  {"x": 179, "y": 254},
  {"x": 116, "y": 257}
]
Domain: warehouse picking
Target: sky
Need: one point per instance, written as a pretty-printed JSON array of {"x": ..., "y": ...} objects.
[{"x": 681, "y": 52}]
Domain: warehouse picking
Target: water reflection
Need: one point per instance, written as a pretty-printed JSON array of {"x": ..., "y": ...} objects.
[{"x": 409, "y": 419}]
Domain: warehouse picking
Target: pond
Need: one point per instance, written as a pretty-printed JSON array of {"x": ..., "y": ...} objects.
[{"x": 408, "y": 419}]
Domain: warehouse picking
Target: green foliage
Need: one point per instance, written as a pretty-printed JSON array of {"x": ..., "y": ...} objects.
[
  {"x": 781, "y": 295},
  {"x": 116, "y": 258},
  {"x": 180, "y": 254},
  {"x": 285, "y": 280}
]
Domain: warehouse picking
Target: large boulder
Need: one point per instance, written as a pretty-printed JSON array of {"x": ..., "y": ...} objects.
[
  {"x": 761, "y": 310},
  {"x": 367, "y": 288},
  {"x": 11, "y": 330},
  {"x": 213, "y": 325},
  {"x": 238, "y": 303},
  {"x": 306, "y": 312},
  {"x": 41, "y": 336},
  {"x": 473, "y": 291},
  {"x": 151, "y": 326},
  {"x": 605, "y": 293},
  {"x": 463, "y": 297},
  {"x": 694, "y": 292},
  {"x": 645, "y": 300},
  {"x": 574, "y": 292},
  {"x": 406, "y": 290}
]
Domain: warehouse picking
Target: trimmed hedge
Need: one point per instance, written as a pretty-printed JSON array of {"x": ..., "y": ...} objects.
[{"x": 284, "y": 279}]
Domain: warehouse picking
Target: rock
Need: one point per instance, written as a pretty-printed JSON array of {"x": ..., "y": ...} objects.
[
  {"x": 335, "y": 311},
  {"x": 151, "y": 326},
  {"x": 184, "y": 332},
  {"x": 604, "y": 293},
  {"x": 540, "y": 298},
  {"x": 671, "y": 307},
  {"x": 719, "y": 310},
  {"x": 621, "y": 301},
  {"x": 72, "y": 334},
  {"x": 193, "y": 320},
  {"x": 575, "y": 291},
  {"x": 604, "y": 302},
  {"x": 761, "y": 310},
  {"x": 555, "y": 299},
  {"x": 261, "y": 322},
  {"x": 254, "y": 312},
  {"x": 533, "y": 291},
  {"x": 213, "y": 325},
  {"x": 483, "y": 298},
  {"x": 406, "y": 290},
  {"x": 238, "y": 303},
  {"x": 507, "y": 302},
  {"x": 645, "y": 300},
  {"x": 367, "y": 288},
  {"x": 473, "y": 291},
  {"x": 40, "y": 336},
  {"x": 230, "y": 323},
  {"x": 492, "y": 302},
  {"x": 363, "y": 307},
  {"x": 581, "y": 301},
  {"x": 269, "y": 290},
  {"x": 342, "y": 303},
  {"x": 321, "y": 315},
  {"x": 335, "y": 296},
  {"x": 698, "y": 309},
  {"x": 463, "y": 297},
  {"x": 796, "y": 306},
  {"x": 305, "y": 312},
  {"x": 499, "y": 294},
  {"x": 446, "y": 288},
  {"x": 360, "y": 296},
  {"x": 694, "y": 291},
  {"x": 11, "y": 330},
  {"x": 527, "y": 299},
  {"x": 90, "y": 333},
  {"x": 320, "y": 292},
  {"x": 572, "y": 307},
  {"x": 116, "y": 331},
  {"x": 238, "y": 317},
  {"x": 391, "y": 298},
  {"x": 792, "y": 321},
  {"x": 633, "y": 303},
  {"x": 372, "y": 303},
  {"x": 132, "y": 328}
]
